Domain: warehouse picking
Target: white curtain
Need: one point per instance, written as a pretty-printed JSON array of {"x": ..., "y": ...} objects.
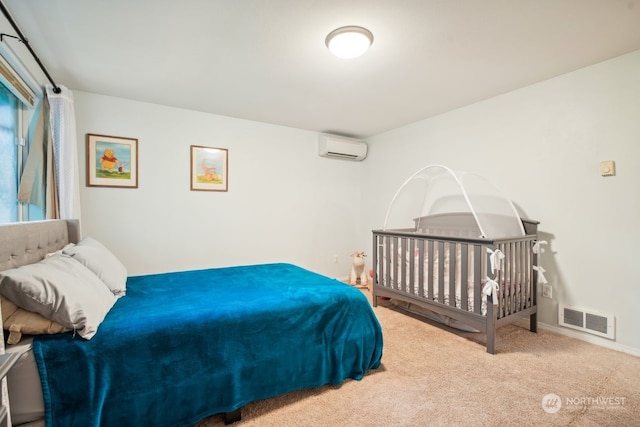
[{"x": 65, "y": 151}]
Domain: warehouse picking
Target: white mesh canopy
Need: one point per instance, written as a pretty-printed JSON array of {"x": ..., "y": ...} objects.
[{"x": 438, "y": 201}]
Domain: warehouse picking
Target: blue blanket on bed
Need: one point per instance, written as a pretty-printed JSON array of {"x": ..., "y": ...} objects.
[{"x": 182, "y": 346}]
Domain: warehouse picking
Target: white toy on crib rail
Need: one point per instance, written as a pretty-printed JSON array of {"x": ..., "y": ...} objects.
[{"x": 358, "y": 275}]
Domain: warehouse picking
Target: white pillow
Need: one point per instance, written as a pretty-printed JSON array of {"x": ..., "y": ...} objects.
[
  {"x": 62, "y": 290},
  {"x": 104, "y": 264}
]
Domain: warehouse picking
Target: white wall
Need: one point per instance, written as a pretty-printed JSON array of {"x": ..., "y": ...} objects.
[
  {"x": 284, "y": 204},
  {"x": 542, "y": 146}
]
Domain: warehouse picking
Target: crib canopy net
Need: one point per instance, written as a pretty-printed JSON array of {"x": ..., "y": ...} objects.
[{"x": 439, "y": 201}]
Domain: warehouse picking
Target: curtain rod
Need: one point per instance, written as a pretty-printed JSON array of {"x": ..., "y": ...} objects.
[{"x": 24, "y": 41}]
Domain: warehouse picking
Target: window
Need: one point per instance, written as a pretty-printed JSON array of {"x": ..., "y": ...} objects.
[
  {"x": 9, "y": 159},
  {"x": 20, "y": 95},
  {"x": 13, "y": 157}
]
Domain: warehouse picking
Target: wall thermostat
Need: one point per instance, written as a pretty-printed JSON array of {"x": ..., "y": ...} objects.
[{"x": 607, "y": 168}]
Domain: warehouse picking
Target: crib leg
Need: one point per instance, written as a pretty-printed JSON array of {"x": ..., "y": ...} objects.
[
  {"x": 533, "y": 322},
  {"x": 491, "y": 341},
  {"x": 491, "y": 327}
]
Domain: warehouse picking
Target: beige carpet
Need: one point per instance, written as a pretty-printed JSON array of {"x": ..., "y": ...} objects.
[{"x": 431, "y": 376}]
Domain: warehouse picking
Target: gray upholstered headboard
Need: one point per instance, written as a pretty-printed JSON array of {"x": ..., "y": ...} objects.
[{"x": 24, "y": 243}]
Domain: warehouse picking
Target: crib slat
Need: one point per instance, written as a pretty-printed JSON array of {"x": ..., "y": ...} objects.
[
  {"x": 525, "y": 274},
  {"x": 520, "y": 277},
  {"x": 386, "y": 262},
  {"x": 477, "y": 279},
  {"x": 528, "y": 273},
  {"x": 440, "y": 271},
  {"x": 412, "y": 266},
  {"x": 502, "y": 281},
  {"x": 421, "y": 267},
  {"x": 402, "y": 283},
  {"x": 514, "y": 280},
  {"x": 498, "y": 278},
  {"x": 430, "y": 269},
  {"x": 396, "y": 264},
  {"x": 505, "y": 283},
  {"x": 464, "y": 276},
  {"x": 533, "y": 283},
  {"x": 452, "y": 274},
  {"x": 378, "y": 278},
  {"x": 514, "y": 276},
  {"x": 503, "y": 302},
  {"x": 392, "y": 263},
  {"x": 511, "y": 278}
]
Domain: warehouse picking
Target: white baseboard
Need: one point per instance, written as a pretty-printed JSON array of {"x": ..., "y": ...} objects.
[
  {"x": 603, "y": 342},
  {"x": 591, "y": 339}
]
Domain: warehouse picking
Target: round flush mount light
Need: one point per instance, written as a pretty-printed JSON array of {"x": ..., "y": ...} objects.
[{"x": 349, "y": 42}]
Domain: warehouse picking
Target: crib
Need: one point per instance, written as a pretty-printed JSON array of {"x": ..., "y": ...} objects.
[{"x": 466, "y": 259}]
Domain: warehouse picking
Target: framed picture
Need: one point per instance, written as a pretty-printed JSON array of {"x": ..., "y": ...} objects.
[
  {"x": 209, "y": 168},
  {"x": 112, "y": 161}
]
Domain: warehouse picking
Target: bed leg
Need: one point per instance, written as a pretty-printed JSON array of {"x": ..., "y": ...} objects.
[
  {"x": 232, "y": 417},
  {"x": 533, "y": 322}
]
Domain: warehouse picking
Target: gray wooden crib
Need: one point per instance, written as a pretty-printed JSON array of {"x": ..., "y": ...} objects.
[{"x": 441, "y": 269}]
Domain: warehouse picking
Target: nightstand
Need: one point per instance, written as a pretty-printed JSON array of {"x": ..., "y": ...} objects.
[{"x": 6, "y": 363}]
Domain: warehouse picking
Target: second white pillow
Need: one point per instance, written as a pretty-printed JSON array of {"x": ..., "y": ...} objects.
[{"x": 104, "y": 264}]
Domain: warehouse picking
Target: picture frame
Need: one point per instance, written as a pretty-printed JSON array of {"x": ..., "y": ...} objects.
[
  {"x": 112, "y": 161},
  {"x": 209, "y": 168}
]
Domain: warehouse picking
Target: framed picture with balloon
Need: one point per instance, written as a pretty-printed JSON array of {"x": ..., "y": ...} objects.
[{"x": 209, "y": 168}]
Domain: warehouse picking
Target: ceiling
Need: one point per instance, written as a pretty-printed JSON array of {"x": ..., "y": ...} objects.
[{"x": 265, "y": 60}]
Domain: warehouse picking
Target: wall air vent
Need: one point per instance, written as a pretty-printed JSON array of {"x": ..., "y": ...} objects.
[
  {"x": 587, "y": 321},
  {"x": 339, "y": 147}
]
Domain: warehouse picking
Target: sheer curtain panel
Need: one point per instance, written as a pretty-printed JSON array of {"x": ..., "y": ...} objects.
[{"x": 65, "y": 151}]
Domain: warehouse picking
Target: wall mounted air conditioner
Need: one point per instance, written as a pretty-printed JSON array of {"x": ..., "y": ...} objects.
[{"x": 339, "y": 147}]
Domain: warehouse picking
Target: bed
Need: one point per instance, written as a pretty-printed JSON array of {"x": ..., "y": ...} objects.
[
  {"x": 177, "y": 347},
  {"x": 462, "y": 256}
]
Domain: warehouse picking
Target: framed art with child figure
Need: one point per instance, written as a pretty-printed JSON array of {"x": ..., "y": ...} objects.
[{"x": 112, "y": 161}]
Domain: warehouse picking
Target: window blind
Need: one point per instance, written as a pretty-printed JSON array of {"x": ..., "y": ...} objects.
[{"x": 12, "y": 80}]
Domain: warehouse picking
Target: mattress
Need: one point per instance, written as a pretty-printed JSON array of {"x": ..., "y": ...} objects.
[{"x": 24, "y": 385}]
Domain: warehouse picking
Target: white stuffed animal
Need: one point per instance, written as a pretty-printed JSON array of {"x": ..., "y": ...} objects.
[{"x": 358, "y": 275}]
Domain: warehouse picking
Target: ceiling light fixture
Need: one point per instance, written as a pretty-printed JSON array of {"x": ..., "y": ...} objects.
[{"x": 349, "y": 42}]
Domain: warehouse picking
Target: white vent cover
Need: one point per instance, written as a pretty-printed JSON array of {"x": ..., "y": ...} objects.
[
  {"x": 339, "y": 147},
  {"x": 587, "y": 321}
]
